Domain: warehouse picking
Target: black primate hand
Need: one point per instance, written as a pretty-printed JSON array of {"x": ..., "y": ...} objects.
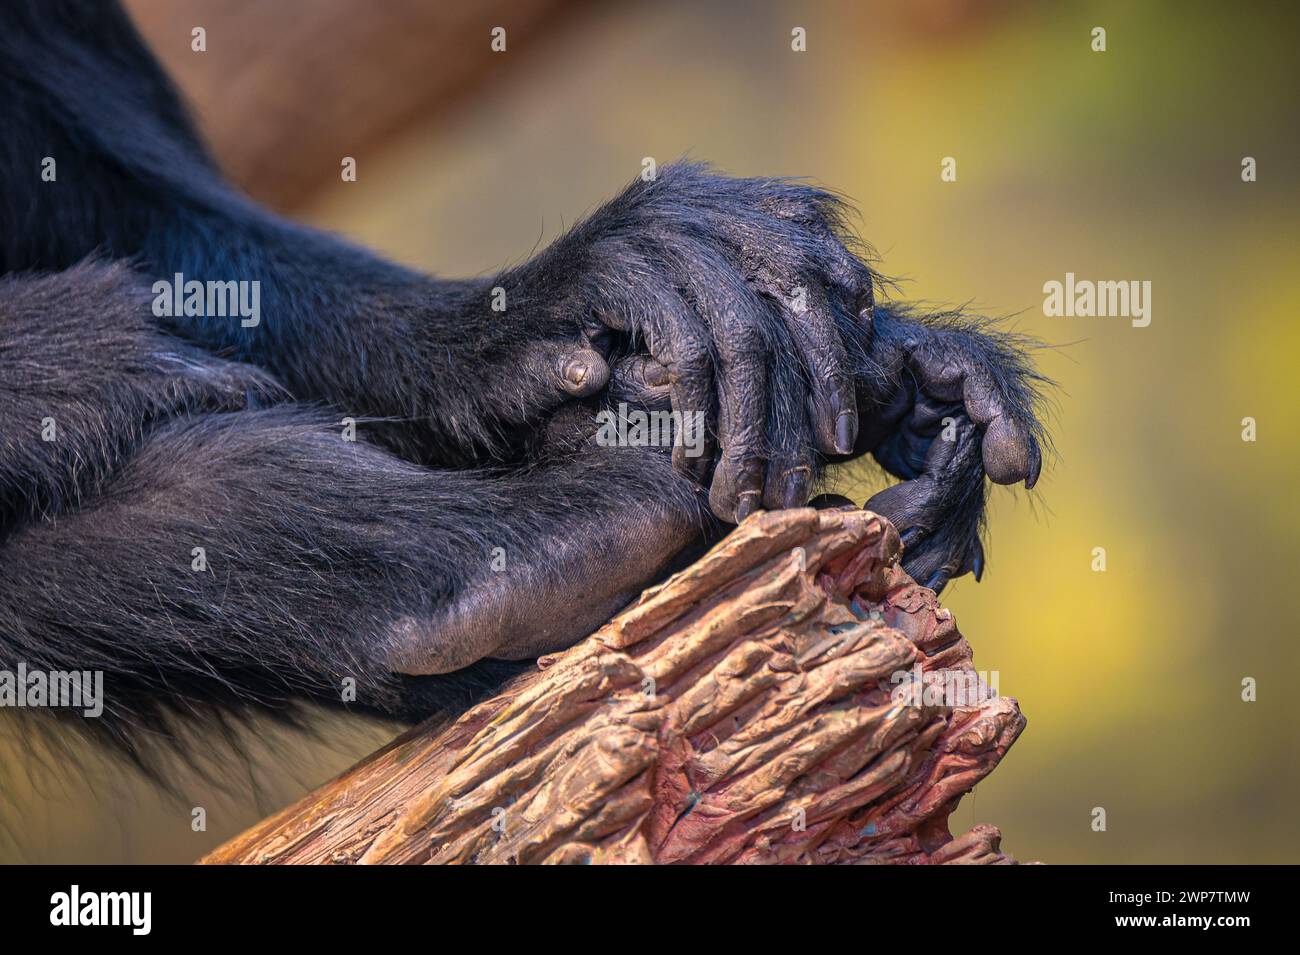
[
  {"x": 943, "y": 402},
  {"x": 744, "y": 291},
  {"x": 947, "y": 401}
]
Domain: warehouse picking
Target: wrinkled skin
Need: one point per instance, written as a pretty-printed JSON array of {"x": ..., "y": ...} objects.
[
  {"x": 912, "y": 377},
  {"x": 750, "y": 309},
  {"x": 744, "y": 294}
]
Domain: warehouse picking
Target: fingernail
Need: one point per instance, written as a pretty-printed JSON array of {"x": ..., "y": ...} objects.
[
  {"x": 582, "y": 373},
  {"x": 576, "y": 371},
  {"x": 867, "y": 304},
  {"x": 1035, "y": 467},
  {"x": 977, "y": 567},
  {"x": 747, "y": 505},
  {"x": 846, "y": 432},
  {"x": 795, "y": 487}
]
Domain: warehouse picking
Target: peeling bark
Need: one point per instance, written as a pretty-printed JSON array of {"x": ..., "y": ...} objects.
[{"x": 759, "y": 707}]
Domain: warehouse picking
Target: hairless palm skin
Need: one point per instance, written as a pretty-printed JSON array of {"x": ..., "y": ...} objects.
[{"x": 475, "y": 518}]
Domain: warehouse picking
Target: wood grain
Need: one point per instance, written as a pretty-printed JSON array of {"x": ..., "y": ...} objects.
[{"x": 754, "y": 708}]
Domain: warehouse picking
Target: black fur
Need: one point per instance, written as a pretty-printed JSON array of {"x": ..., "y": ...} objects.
[{"x": 373, "y": 561}]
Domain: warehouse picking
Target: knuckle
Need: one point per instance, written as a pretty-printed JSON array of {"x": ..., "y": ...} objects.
[
  {"x": 744, "y": 344},
  {"x": 690, "y": 354}
]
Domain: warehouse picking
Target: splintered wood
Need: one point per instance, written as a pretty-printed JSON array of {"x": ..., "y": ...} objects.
[{"x": 792, "y": 697}]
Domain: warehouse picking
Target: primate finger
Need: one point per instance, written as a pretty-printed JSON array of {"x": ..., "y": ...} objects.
[
  {"x": 811, "y": 323},
  {"x": 974, "y": 562},
  {"x": 908, "y": 505},
  {"x": 642, "y": 381},
  {"x": 1010, "y": 452},
  {"x": 905, "y": 506},
  {"x": 737, "y": 488},
  {"x": 937, "y": 514},
  {"x": 852, "y": 280},
  {"x": 558, "y": 371},
  {"x": 957, "y": 562},
  {"x": 790, "y": 464},
  {"x": 736, "y": 319},
  {"x": 583, "y": 373},
  {"x": 680, "y": 344},
  {"x": 964, "y": 555}
]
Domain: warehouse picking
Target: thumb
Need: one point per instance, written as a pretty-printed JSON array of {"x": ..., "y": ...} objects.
[
  {"x": 582, "y": 372},
  {"x": 554, "y": 372}
]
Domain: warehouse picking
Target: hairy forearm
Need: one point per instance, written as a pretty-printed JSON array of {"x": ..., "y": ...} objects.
[
  {"x": 127, "y": 178},
  {"x": 561, "y": 549},
  {"x": 341, "y": 325}
]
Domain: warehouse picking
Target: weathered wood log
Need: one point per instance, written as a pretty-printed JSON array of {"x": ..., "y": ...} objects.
[{"x": 766, "y": 705}]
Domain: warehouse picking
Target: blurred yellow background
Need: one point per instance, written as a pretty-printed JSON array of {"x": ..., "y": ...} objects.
[{"x": 1114, "y": 166}]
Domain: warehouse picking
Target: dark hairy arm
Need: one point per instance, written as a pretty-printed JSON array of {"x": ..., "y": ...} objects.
[
  {"x": 165, "y": 519},
  {"x": 747, "y": 292},
  {"x": 741, "y": 301},
  {"x": 338, "y": 324}
]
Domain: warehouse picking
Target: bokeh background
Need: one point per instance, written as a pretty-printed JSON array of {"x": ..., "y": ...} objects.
[{"x": 1117, "y": 165}]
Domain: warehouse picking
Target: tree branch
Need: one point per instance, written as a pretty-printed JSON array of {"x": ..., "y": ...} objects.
[{"x": 760, "y": 706}]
